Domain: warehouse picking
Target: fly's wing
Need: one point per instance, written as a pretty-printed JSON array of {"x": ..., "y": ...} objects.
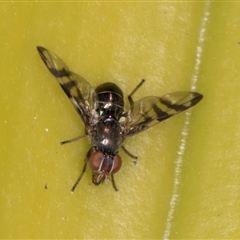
[
  {"x": 78, "y": 90},
  {"x": 151, "y": 110}
]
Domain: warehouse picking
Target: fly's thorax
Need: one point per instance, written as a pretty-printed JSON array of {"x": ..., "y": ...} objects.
[
  {"x": 107, "y": 135},
  {"x": 109, "y": 100}
]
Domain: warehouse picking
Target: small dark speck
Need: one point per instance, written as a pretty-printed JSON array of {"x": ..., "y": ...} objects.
[
  {"x": 238, "y": 42},
  {"x": 45, "y": 186}
]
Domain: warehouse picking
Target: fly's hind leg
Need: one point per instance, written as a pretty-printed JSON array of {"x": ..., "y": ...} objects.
[
  {"x": 84, "y": 169},
  {"x": 134, "y": 90}
]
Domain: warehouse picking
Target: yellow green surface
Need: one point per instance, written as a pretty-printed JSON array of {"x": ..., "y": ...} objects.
[{"x": 187, "y": 181}]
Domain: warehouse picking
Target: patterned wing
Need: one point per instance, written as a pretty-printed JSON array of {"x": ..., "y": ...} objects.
[
  {"x": 151, "y": 110},
  {"x": 78, "y": 90}
]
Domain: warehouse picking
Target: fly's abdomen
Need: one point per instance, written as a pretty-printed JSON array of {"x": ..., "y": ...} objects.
[{"x": 110, "y": 100}]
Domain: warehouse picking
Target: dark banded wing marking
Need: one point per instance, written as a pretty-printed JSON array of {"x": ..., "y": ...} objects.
[
  {"x": 78, "y": 90},
  {"x": 151, "y": 110}
]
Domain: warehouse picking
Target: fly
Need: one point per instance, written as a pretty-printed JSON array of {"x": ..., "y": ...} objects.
[{"x": 106, "y": 123}]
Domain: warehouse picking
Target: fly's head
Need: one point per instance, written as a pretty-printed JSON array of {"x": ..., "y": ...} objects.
[{"x": 103, "y": 165}]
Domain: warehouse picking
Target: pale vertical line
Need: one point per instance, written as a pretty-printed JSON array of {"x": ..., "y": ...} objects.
[{"x": 184, "y": 133}]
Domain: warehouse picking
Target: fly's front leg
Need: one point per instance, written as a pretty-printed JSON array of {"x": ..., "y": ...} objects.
[
  {"x": 89, "y": 153},
  {"x": 113, "y": 183}
]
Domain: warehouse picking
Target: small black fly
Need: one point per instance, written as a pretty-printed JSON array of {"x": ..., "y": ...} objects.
[{"x": 106, "y": 122}]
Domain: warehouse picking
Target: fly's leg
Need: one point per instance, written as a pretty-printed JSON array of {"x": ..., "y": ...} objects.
[
  {"x": 73, "y": 139},
  {"x": 130, "y": 155},
  {"x": 79, "y": 178},
  {"x": 83, "y": 170},
  {"x": 113, "y": 183},
  {"x": 134, "y": 90}
]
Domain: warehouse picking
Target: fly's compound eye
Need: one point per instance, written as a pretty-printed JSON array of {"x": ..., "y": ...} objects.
[
  {"x": 100, "y": 162},
  {"x": 96, "y": 161},
  {"x": 117, "y": 164}
]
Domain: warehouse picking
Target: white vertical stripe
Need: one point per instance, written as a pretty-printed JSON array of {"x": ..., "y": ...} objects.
[{"x": 184, "y": 134}]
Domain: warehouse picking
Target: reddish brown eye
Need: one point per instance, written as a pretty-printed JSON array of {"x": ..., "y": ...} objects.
[
  {"x": 95, "y": 161},
  {"x": 99, "y": 162},
  {"x": 117, "y": 164}
]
